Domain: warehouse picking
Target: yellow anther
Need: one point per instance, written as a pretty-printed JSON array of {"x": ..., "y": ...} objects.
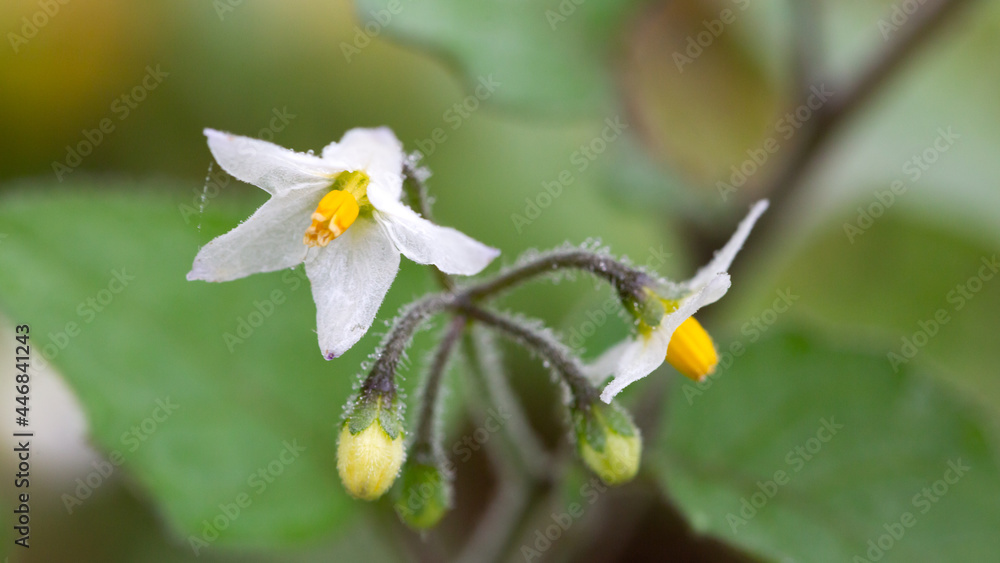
[
  {"x": 334, "y": 214},
  {"x": 691, "y": 350}
]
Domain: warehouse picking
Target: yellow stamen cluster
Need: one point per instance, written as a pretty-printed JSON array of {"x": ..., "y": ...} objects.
[
  {"x": 691, "y": 350},
  {"x": 338, "y": 209}
]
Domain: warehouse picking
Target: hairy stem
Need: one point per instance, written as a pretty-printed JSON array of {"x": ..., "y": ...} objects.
[
  {"x": 381, "y": 379},
  {"x": 627, "y": 280},
  {"x": 484, "y": 358},
  {"x": 424, "y": 447},
  {"x": 545, "y": 345}
]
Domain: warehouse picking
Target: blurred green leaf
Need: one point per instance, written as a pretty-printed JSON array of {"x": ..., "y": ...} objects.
[
  {"x": 805, "y": 452},
  {"x": 921, "y": 268},
  {"x": 934, "y": 126},
  {"x": 200, "y": 421},
  {"x": 550, "y": 56}
]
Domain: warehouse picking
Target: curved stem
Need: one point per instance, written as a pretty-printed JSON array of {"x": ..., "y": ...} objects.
[
  {"x": 484, "y": 358},
  {"x": 627, "y": 280},
  {"x": 425, "y": 449},
  {"x": 545, "y": 345},
  {"x": 381, "y": 379}
]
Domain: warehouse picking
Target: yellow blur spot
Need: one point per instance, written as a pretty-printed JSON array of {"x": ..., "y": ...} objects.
[
  {"x": 368, "y": 461},
  {"x": 691, "y": 350}
]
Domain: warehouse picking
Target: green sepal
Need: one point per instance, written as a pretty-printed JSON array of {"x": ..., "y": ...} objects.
[
  {"x": 391, "y": 419},
  {"x": 618, "y": 420},
  {"x": 648, "y": 310},
  {"x": 364, "y": 413},
  {"x": 589, "y": 429}
]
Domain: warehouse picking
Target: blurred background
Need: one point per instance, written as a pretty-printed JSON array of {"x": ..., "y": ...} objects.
[{"x": 865, "y": 300}]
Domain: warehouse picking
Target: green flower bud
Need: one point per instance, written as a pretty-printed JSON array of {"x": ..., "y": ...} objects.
[
  {"x": 608, "y": 442},
  {"x": 424, "y": 497},
  {"x": 370, "y": 450}
]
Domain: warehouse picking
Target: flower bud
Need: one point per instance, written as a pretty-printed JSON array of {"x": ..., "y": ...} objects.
[
  {"x": 608, "y": 442},
  {"x": 370, "y": 450},
  {"x": 424, "y": 497}
]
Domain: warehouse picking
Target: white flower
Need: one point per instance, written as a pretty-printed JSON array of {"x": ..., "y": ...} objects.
[
  {"x": 678, "y": 338},
  {"x": 341, "y": 214}
]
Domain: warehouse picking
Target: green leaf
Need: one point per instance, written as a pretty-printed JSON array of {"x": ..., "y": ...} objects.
[
  {"x": 853, "y": 444},
  {"x": 548, "y": 57},
  {"x": 199, "y": 420},
  {"x": 891, "y": 280}
]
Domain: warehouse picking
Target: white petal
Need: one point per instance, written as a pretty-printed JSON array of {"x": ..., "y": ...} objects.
[
  {"x": 646, "y": 354},
  {"x": 377, "y": 152},
  {"x": 724, "y": 257},
  {"x": 271, "y": 239},
  {"x": 606, "y": 364},
  {"x": 350, "y": 278},
  {"x": 272, "y": 168},
  {"x": 426, "y": 243},
  {"x": 639, "y": 359}
]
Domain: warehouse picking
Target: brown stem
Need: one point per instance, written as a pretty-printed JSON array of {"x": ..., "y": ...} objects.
[
  {"x": 843, "y": 106},
  {"x": 839, "y": 110}
]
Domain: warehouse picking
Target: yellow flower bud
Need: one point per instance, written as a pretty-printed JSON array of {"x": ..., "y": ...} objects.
[
  {"x": 369, "y": 460},
  {"x": 608, "y": 442}
]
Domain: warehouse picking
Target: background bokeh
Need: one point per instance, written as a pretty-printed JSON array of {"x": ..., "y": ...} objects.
[{"x": 868, "y": 267}]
